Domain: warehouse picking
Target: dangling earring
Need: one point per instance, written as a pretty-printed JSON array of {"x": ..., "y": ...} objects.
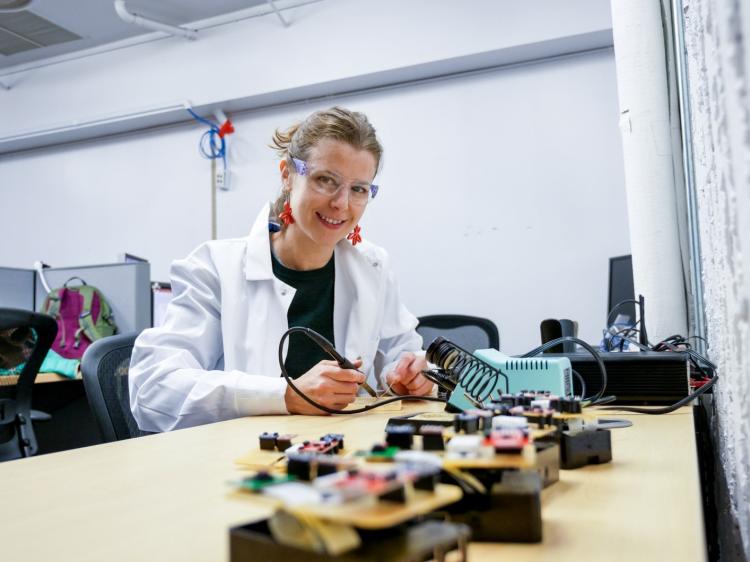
[
  {"x": 354, "y": 236},
  {"x": 286, "y": 215}
]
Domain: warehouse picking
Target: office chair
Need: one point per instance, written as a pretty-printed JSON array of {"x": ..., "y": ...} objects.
[
  {"x": 105, "y": 377},
  {"x": 21, "y": 345},
  {"x": 469, "y": 332}
]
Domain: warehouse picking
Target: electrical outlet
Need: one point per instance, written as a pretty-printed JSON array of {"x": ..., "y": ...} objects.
[{"x": 222, "y": 178}]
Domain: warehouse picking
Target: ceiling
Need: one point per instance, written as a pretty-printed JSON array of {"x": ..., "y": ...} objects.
[{"x": 91, "y": 23}]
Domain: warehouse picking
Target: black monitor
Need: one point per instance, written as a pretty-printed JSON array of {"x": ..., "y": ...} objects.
[{"x": 621, "y": 285}]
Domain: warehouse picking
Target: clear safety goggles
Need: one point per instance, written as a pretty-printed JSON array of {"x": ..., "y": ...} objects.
[{"x": 330, "y": 184}]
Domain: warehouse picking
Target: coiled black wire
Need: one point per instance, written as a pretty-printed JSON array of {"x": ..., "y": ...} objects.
[{"x": 477, "y": 378}]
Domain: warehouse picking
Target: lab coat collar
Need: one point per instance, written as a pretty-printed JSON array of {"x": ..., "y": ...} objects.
[{"x": 258, "y": 253}]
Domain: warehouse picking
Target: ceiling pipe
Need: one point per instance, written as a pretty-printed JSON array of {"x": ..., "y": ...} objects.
[
  {"x": 278, "y": 13},
  {"x": 154, "y": 25}
]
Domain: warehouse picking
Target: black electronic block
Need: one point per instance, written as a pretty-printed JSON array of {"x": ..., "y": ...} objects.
[
  {"x": 430, "y": 540},
  {"x": 300, "y": 466},
  {"x": 510, "y": 512},
  {"x": 268, "y": 441},
  {"x": 401, "y": 436},
  {"x": 548, "y": 462},
  {"x": 466, "y": 423},
  {"x": 636, "y": 377},
  {"x": 584, "y": 448},
  {"x": 432, "y": 438}
]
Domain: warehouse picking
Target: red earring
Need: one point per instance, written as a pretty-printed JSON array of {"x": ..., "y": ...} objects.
[
  {"x": 286, "y": 215},
  {"x": 354, "y": 236}
]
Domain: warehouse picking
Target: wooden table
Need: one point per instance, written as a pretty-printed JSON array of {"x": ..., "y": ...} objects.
[
  {"x": 41, "y": 378},
  {"x": 165, "y": 497}
]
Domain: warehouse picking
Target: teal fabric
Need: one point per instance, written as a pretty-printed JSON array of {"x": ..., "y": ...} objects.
[
  {"x": 312, "y": 307},
  {"x": 53, "y": 363}
]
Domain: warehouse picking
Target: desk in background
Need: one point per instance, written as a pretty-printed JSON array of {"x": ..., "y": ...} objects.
[
  {"x": 72, "y": 424},
  {"x": 166, "y": 496}
]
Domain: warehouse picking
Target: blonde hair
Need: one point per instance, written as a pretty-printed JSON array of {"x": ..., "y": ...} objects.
[{"x": 336, "y": 123}]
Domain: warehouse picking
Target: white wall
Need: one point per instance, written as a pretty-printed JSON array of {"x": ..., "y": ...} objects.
[
  {"x": 502, "y": 191},
  {"x": 718, "y": 48}
]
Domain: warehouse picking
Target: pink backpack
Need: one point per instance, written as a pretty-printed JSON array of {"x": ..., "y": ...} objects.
[{"x": 83, "y": 316}]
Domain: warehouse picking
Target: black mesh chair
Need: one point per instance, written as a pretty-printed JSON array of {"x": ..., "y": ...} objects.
[
  {"x": 469, "y": 332},
  {"x": 26, "y": 338},
  {"x": 105, "y": 376}
]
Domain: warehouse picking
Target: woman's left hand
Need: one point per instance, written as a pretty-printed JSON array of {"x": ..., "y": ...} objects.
[{"x": 406, "y": 377}]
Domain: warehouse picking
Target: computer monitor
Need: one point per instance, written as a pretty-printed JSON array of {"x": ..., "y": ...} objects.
[{"x": 621, "y": 285}]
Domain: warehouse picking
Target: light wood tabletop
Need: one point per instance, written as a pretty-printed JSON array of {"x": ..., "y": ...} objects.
[
  {"x": 166, "y": 497},
  {"x": 41, "y": 378}
]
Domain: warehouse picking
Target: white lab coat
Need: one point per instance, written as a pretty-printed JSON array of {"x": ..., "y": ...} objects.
[{"x": 216, "y": 355}]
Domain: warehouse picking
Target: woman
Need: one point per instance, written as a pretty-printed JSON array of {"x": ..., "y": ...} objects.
[{"x": 216, "y": 355}]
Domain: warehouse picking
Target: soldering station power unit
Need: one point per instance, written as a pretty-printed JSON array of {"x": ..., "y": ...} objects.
[{"x": 487, "y": 374}]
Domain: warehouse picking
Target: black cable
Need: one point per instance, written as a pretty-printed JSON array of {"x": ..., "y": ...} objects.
[
  {"x": 583, "y": 383},
  {"x": 618, "y": 305},
  {"x": 619, "y": 334},
  {"x": 603, "y": 400},
  {"x": 328, "y": 348},
  {"x": 692, "y": 354},
  {"x": 704, "y": 340},
  {"x": 587, "y": 347},
  {"x": 667, "y": 409}
]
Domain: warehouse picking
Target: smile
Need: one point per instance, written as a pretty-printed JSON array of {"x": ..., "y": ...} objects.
[{"x": 329, "y": 222}]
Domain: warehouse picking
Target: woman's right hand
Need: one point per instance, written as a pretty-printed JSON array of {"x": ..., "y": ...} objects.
[{"x": 327, "y": 384}]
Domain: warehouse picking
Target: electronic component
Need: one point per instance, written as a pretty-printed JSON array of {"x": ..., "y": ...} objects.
[
  {"x": 468, "y": 447},
  {"x": 268, "y": 441},
  {"x": 382, "y": 453},
  {"x": 261, "y": 480},
  {"x": 273, "y": 441},
  {"x": 507, "y": 440},
  {"x": 466, "y": 423},
  {"x": 401, "y": 436},
  {"x": 547, "y": 461},
  {"x": 432, "y": 438},
  {"x": 307, "y": 465},
  {"x": 484, "y": 417},
  {"x": 418, "y": 459},
  {"x": 584, "y": 448},
  {"x": 429, "y": 540},
  {"x": 644, "y": 377},
  {"x": 300, "y": 466},
  {"x": 392, "y": 485},
  {"x": 510, "y": 511},
  {"x": 322, "y": 447},
  {"x": 510, "y": 422}
]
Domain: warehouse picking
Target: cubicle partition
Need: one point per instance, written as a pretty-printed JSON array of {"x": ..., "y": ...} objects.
[{"x": 17, "y": 288}]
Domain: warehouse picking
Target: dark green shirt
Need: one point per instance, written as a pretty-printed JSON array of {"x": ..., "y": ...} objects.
[{"x": 312, "y": 307}]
